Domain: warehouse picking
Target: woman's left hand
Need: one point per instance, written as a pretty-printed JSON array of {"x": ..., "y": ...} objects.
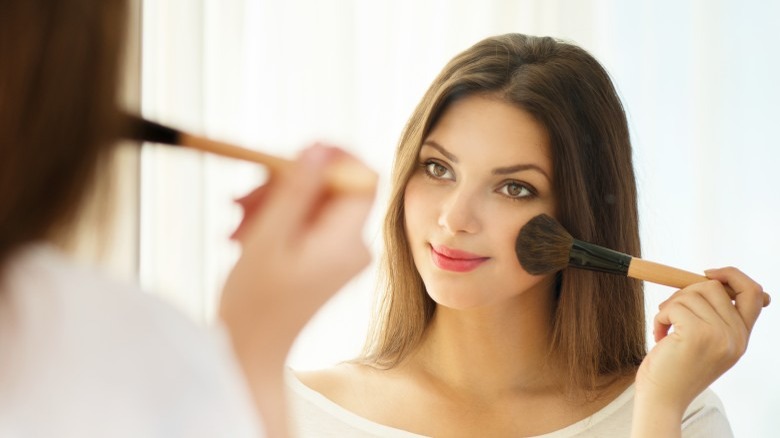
[{"x": 710, "y": 332}]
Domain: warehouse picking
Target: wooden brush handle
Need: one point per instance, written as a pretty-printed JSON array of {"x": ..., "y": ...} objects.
[
  {"x": 345, "y": 176},
  {"x": 669, "y": 276}
]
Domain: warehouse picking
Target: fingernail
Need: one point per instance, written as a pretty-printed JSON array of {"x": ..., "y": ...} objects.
[
  {"x": 315, "y": 156},
  {"x": 241, "y": 202}
]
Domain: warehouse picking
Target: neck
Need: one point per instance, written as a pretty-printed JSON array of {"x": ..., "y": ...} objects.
[{"x": 491, "y": 350}]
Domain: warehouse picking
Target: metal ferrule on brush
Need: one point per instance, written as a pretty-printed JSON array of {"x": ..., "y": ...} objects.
[{"x": 597, "y": 258}]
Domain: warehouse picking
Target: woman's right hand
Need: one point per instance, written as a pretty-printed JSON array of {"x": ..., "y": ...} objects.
[{"x": 301, "y": 242}]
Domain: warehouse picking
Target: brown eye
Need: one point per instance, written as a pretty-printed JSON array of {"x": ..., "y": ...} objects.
[
  {"x": 437, "y": 170},
  {"x": 515, "y": 190}
]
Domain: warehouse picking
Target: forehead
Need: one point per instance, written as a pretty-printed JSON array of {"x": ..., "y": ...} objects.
[{"x": 488, "y": 127}]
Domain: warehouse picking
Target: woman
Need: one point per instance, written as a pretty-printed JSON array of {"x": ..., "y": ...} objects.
[
  {"x": 466, "y": 343},
  {"x": 82, "y": 355}
]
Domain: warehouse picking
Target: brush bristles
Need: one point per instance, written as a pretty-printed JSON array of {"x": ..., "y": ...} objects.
[
  {"x": 137, "y": 128},
  {"x": 543, "y": 246}
]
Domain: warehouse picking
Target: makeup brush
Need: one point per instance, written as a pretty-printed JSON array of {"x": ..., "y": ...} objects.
[
  {"x": 544, "y": 246},
  {"x": 343, "y": 175}
]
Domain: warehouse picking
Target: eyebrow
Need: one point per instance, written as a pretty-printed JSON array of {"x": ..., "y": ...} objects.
[
  {"x": 441, "y": 149},
  {"x": 497, "y": 171}
]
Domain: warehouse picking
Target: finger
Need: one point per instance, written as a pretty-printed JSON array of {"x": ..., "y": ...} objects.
[
  {"x": 694, "y": 305},
  {"x": 720, "y": 300},
  {"x": 663, "y": 320},
  {"x": 292, "y": 196},
  {"x": 341, "y": 222},
  {"x": 253, "y": 200},
  {"x": 675, "y": 314},
  {"x": 696, "y": 308},
  {"x": 660, "y": 329},
  {"x": 348, "y": 209},
  {"x": 766, "y": 298},
  {"x": 749, "y": 295},
  {"x": 717, "y": 298},
  {"x": 700, "y": 307},
  {"x": 250, "y": 204}
]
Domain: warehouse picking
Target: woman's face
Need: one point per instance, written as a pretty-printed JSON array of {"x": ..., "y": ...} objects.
[{"x": 483, "y": 172}]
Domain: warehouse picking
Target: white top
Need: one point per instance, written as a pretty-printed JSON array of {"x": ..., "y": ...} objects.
[
  {"x": 313, "y": 415},
  {"x": 83, "y": 356}
]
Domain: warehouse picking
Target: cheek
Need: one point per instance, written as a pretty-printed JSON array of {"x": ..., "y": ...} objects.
[
  {"x": 417, "y": 208},
  {"x": 509, "y": 277},
  {"x": 503, "y": 244},
  {"x": 503, "y": 231},
  {"x": 504, "y": 225}
]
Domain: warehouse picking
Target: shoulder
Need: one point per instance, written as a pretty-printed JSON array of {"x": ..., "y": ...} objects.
[
  {"x": 80, "y": 310},
  {"x": 49, "y": 292},
  {"x": 344, "y": 383},
  {"x": 706, "y": 416},
  {"x": 348, "y": 400},
  {"x": 78, "y": 336},
  {"x": 358, "y": 388},
  {"x": 40, "y": 279},
  {"x": 707, "y": 400}
]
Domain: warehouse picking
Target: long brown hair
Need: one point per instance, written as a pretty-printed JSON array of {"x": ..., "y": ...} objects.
[
  {"x": 58, "y": 110},
  {"x": 598, "y": 324}
]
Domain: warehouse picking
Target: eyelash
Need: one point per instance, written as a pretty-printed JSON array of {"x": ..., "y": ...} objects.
[{"x": 426, "y": 166}]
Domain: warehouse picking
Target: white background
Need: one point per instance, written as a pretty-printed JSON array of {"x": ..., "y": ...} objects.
[{"x": 698, "y": 80}]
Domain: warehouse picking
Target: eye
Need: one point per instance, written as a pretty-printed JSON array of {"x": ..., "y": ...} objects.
[
  {"x": 516, "y": 190},
  {"x": 437, "y": 170}
]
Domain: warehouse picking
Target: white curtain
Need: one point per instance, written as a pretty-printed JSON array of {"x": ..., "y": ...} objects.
[{"x": 697, "y": 79}]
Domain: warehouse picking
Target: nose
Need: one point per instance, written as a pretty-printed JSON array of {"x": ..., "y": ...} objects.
[{"x": 458, "y": 213}]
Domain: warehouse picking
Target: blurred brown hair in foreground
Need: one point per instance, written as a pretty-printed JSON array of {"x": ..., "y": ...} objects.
[{"x": 58, "y": 110}]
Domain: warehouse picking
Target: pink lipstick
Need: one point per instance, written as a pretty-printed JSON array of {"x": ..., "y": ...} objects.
[{"x": 455, "y": 260}]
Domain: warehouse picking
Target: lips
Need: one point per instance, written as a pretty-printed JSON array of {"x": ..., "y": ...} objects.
[{"x": 455, "y": 260}]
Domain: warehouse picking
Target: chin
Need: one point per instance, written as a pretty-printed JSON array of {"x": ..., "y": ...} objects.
[{"x": 457, "y": 298}]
